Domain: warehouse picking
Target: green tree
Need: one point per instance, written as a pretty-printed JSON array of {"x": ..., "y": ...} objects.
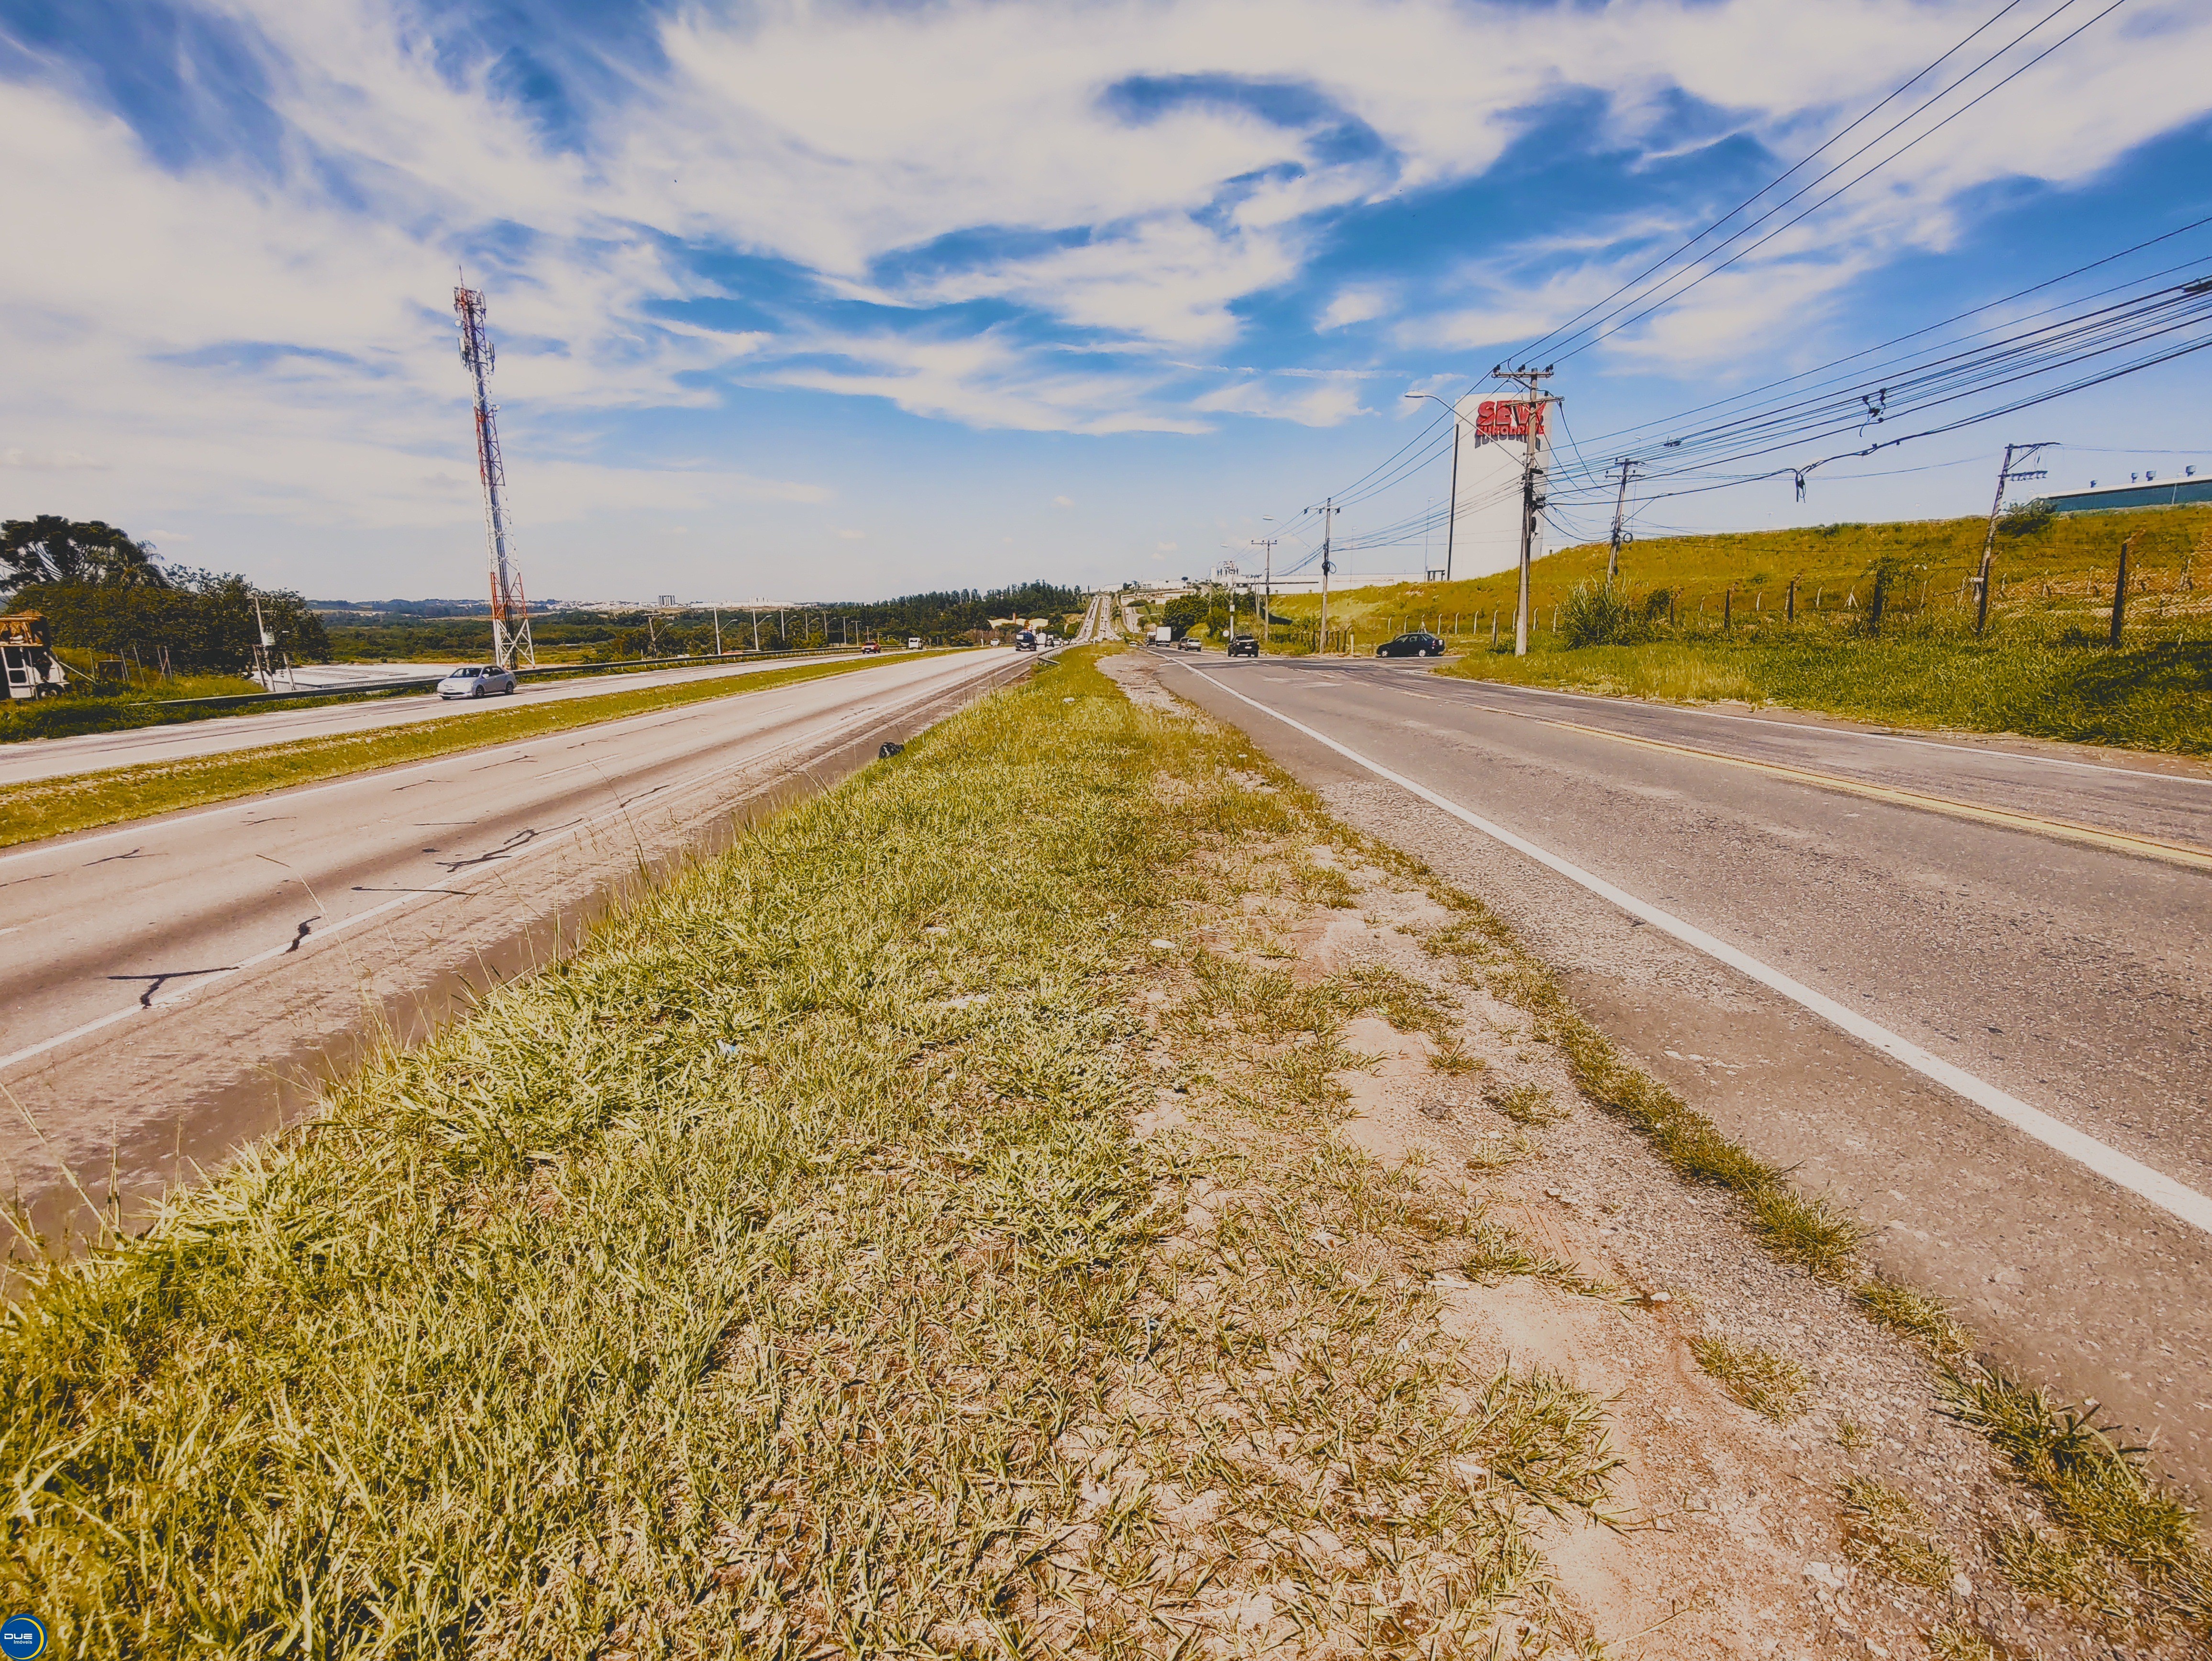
[
  {"x": 53, "y": 549},
  {"x": 1182, "y": 613},
  {"x": 203, "y": 619}
]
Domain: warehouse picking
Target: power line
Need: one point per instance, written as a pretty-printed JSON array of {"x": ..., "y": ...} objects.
[
  {"x": 1911, "y": 144},
  {"x": 1607, "y": 438},
  {"x": 1534, "y": 346},
  {"x": 1961, "y": 375}
]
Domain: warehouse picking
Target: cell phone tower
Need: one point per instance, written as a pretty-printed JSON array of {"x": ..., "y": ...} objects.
[{"x": 510, "y": 611}]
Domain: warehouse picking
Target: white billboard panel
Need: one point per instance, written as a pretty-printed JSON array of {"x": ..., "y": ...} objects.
[{"x": 1493, "y": 446}]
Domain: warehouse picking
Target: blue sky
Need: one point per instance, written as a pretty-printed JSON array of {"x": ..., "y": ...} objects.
[{"x": 823, "y": 300}]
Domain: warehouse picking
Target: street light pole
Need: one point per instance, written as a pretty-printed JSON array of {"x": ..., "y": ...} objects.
[
  {"x": 1268, "y": 579},
  {"x": 1451, "y": 510}
]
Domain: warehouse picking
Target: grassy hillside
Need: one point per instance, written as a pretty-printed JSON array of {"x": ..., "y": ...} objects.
[
  {"x": 1709, "y": 622},
  {"x": 2059, "y": 576}
]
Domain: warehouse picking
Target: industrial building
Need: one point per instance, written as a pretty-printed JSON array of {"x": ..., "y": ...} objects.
[{"x": 2184, "y": 487}]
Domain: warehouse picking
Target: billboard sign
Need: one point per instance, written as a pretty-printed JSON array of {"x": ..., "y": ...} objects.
[{"x": 1493, "y": 446}]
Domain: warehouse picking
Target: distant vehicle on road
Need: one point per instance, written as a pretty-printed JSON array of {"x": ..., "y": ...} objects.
[
  {"x": 868, "y": 647},
  {"x": 1417, "y": 644},
  {"x": 1186, "y": 644},
  {"x": 1244, "y": 646},
  {"x": 914, "y": 642},
  {"x": 476, "y": 680},
  {"x": 1162, "y": 635},
  {"x": 1026, "y": 642}
]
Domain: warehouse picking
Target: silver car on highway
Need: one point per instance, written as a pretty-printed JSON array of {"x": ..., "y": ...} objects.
[{"x": 476, "y": 680}]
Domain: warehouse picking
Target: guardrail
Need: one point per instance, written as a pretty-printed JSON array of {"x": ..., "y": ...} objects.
[{"x": 621, "y": 666}]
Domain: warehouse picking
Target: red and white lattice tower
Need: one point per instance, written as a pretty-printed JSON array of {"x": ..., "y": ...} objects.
[{"x": 510, "y": 611}]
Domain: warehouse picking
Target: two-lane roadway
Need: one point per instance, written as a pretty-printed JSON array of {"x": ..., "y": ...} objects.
[
  {"x": 171, "y": 986},
  {"x": 47, "y": 759}
]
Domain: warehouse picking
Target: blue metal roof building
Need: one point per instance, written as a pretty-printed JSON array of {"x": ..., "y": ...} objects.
[{"x": 2164, "y": 493}]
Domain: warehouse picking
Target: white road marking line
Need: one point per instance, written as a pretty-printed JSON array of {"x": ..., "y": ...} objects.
[
  {"x": 190, "y": 988},
  {"x": 621, "y": 810},
  {"x": 2118, "y": 1168}
]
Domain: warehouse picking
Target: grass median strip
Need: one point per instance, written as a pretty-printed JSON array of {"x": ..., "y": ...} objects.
[
  {"x": 760, "y": 1281},
  {"x": 84, "y": 801}
]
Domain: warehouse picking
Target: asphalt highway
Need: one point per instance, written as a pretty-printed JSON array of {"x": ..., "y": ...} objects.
[
  {"x": 45, "y": 758},
  {"x": 1960, "y": 987},
  {"x": 150, "y": 973}
]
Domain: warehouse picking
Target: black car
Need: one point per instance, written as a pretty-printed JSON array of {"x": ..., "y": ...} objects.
[
  {"x": 1026, "y": 642},
  {"x": 1244, "y": 646},
  {"x": 1415, "y": 645}
]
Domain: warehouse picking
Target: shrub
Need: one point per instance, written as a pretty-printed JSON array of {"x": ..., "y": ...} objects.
[
  {"x": 1603, "y": 616},
  {"x": 2025, "y": 518}
]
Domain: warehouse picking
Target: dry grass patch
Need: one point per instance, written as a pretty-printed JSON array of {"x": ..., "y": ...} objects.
[
  {"x": 1529, "y": 1104},
  {"x": 2121, "y": 1545},
  {"x": 1887, "y": 1530},
  {"x": 1302, "y": 1462},
  {"x": 1765, "y": 1382},
  {"x": 1917, "y": 1315}
]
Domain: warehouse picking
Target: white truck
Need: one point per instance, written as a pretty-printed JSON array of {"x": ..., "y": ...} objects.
[
  {"x": 26, "y": 650},
  {"x": 1162, "y": 636}
]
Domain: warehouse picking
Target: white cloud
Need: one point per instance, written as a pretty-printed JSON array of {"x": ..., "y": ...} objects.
[
  {"x": 50, "y": 461},
  {"x": 1165, "y": 548},
  {"x": 1062, "y": 501},
  {"x": 272, "y": 341},
  {"x": 1334, "y": 400},
  {"x": 1353, "y": 306}
]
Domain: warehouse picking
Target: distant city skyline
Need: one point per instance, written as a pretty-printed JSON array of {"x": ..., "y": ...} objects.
[{"x": 875, "y": 301}]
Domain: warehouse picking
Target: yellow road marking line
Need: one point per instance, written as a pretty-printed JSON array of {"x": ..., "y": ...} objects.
[{"x": 2156, "y": 848}]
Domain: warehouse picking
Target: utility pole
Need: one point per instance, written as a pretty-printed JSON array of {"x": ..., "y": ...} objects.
[
  {"x": 2006, "y": 474},
  {"x": 1532, "y": 500},
  {"x": 2120, "y": 593},
  {"x": 718, "y": 631},
  {"x": 1267, "y": 588},
  {"x": 1619, "y": 511},
  {"x": 1327, "y": 519}
]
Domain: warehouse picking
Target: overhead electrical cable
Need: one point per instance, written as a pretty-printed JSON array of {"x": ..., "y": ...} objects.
[
  {"x": 1945, "y": 380},
  {"x": 1536, "y": 346},
  {"x": 1605, "y": 439},
  {"x": 1918, "y": 138}
]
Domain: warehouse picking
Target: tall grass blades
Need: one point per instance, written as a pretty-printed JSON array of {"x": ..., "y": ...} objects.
[{"x": 725, "y": 1289}]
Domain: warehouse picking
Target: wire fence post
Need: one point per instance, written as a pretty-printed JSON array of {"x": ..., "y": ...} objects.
[{"x": 2120, "y": 591}]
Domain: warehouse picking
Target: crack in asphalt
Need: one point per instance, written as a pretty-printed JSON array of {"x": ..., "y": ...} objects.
[{"x": 155, "y": 983}]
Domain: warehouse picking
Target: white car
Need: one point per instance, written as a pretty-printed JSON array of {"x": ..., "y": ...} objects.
[
  {"x": 914, "y": 642},
  {"x": 476, "y": 680}
]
